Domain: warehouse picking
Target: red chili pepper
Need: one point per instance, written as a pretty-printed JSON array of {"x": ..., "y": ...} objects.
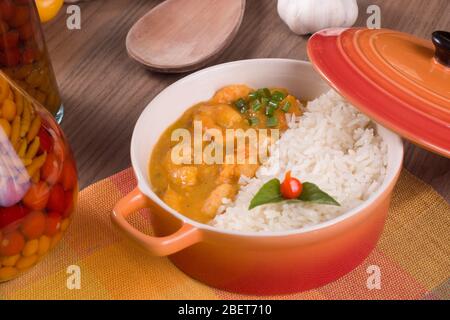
[
  {"x": 26, "y": 32},
  {"x": 10, "y": 40},
  {"x": 28, "y": 56},
  {"x": 10, "y": 57},
  {"x": 56, "y": 201},
  {"x": 11, "y": 214},
  {"x": 20, "y": 17},
  {"x": 7, "y": 9},
  {"x": 291, "y": 188},
  {"x": 45, "y": 140},
  {"x": 68, "y": 177},
  {"x": 68, "y": 201},
  {"x": 51, "y": 170},
  {"x": 4, "y": 27},
  {"x": 53, "y": 223}
]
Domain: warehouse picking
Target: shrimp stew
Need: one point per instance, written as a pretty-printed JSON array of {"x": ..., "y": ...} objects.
[{"x": 198, "y": 189}]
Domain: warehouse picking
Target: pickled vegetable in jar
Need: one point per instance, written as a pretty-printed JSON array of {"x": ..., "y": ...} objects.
[
  {"x": 38, "y": 181},
  {"x": 23, "y": 53}
]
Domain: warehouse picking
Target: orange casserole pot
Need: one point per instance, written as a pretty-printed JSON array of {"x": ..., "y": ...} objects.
[{"x": 252, "y": 263}]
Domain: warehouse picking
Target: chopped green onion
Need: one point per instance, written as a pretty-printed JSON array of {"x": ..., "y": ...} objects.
[
  {"x": 272, "y": 121},
  {"x": 264, "y": 92},
  {"x": 269, "y": 110},
  {"x": 278, "y": 96},
  {"x": 267, "y": 93},
  {"x": 253, "y": 121},
  {"x": 273, "y": 104},
  {"x": 265, "y": 101},
  {"x": 286, "y": 106},
  {"x": 241, "y": 104},
  {"x": 256, "y": 105},
  {"x": 253, "y": 95}
]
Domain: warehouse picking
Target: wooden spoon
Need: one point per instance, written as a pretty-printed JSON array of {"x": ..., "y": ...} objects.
[{"x": 184, "y": 35}]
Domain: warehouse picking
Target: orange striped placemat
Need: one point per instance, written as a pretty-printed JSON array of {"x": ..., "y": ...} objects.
[{"x": 413, "y": 255}]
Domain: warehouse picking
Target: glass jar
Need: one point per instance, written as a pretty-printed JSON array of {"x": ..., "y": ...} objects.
[
  {"x": 38, "y": 181},
  {"x": 24, "y": 56}
]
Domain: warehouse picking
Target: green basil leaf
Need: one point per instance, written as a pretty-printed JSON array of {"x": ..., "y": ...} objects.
[
  {"x": 312, "y": 193},
  {"x": 269, "y": 193}
]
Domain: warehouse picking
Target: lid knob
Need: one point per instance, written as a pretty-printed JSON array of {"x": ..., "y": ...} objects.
[{"x": 441, "y": 40}]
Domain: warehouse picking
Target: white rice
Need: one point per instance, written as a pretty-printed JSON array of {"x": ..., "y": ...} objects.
[{"x": 332, "y": 145}]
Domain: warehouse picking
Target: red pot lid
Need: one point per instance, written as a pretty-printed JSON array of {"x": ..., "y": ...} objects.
[{"x": 398, "y": 80}]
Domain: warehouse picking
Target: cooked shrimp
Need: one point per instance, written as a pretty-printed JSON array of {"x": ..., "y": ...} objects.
[
  {"x": 232, "y": 93},
  {"x": 246, "y": 169},
  {"x": 173, "y": 199},
  {"x": 214, "y": 201},
  {"x": 227, "y": 116},
  {"x": 183, "y": 176},
  {"x": 227, "y": 173}
]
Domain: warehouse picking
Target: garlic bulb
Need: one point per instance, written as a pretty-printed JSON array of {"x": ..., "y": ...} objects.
[{"x": 308, "y": 16}]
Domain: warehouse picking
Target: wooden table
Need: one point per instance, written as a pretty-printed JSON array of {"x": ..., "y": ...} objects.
[{"x": 104, "y": 91}]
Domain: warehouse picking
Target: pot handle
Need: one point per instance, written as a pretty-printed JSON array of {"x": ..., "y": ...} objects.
[
  {"x": 441, "y": 40},
  {"x": 185, "y": 237}
]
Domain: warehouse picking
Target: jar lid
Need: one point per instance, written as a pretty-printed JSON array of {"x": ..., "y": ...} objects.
[{"x": 398, "y": 80}]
